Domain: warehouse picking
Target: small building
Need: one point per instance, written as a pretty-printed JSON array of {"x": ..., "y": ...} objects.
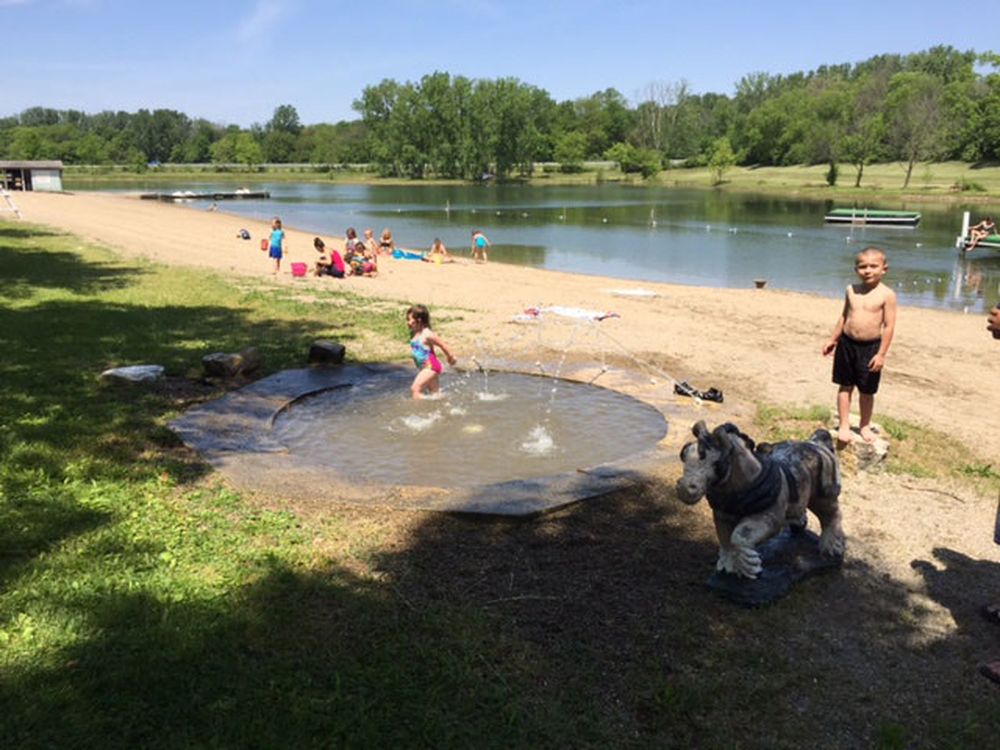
[{"x": 31, "y": 175}]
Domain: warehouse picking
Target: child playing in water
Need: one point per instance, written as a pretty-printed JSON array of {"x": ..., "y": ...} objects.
[
  {"x": 422, "y": 345},
  {"x": 861, "y": 339},
  {"x": 277, "y": 240},
  {"x": 479, "y": 244}
]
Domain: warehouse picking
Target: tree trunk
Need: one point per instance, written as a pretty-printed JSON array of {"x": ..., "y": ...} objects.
[
  {"x": 861, "y": 171},
  {"x": 909, "y": 172}
]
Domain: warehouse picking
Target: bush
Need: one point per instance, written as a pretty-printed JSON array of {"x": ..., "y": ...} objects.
[{"x": 968, "y": 186}]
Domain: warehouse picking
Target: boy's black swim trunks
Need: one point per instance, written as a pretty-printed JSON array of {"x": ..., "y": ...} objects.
[{"x": 850, "y": 363}]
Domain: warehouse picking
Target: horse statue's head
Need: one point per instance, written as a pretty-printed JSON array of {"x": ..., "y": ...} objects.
[{"x": 708, "y": 460}]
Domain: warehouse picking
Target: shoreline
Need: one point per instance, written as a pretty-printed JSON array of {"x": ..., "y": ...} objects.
[
  {"x": 945, "y": 185},
  {"x": 755, "y": 345}
]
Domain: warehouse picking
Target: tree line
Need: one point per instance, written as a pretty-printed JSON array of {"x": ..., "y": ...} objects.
[{"x": 937, "y": 104}]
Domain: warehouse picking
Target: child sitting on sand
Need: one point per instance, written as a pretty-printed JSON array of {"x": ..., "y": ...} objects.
[
  {"x": 354, "y": 255},
  {"x": 422, "y": 344},
  {"x": 861, "y": 339},
  {"x": 386, "y": 244},
  {"x": 328, "y": 265},
  {"x": 371, "y": 246},
  {"x": 438, "y": 253}
]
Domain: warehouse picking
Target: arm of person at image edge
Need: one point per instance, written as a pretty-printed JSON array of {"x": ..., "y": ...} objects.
[{"x": 993, "y": 321}]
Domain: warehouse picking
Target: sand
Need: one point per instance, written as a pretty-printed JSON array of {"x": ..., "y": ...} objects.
[{"x": 755, "y": 345}]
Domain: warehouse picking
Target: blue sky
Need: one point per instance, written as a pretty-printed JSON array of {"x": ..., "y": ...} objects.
[{"x": 234, "y": 62}]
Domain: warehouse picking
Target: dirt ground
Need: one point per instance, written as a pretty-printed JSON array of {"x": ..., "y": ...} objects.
[{"x": 898, "y": 632}]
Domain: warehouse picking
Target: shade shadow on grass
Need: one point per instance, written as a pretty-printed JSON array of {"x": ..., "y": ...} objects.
[
  {"x": 27, "y": 231},
  {"x": 590, "y": 627},
  {"x": 26, "y": 270}
]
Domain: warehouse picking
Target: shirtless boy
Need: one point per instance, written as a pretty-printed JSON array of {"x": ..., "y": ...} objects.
[{"x": 861, "y": 339}]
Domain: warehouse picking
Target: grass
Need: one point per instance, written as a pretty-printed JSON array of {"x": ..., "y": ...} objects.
[
  {"x": 144, "y": 603},
  {"x": 916, "y": 450}
]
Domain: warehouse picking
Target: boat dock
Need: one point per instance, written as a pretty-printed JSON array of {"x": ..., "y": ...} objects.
[
  {"x": 872, "y": 216},
  {"x": 189, "y": 195}
]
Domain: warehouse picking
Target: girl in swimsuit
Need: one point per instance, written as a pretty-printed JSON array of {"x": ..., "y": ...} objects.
[
  {"x": 422, "y": 344},
  {"x": 386, "y": 244}
]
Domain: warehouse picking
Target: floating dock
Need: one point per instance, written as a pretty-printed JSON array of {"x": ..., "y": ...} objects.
[
  {"x": 962, "y": 241},
  {"x": 189, "y": 195},
  {"x": 872, "y": 216}
]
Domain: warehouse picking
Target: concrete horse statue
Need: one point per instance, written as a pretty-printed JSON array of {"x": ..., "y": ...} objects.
[{"x": 755, "y": 490}]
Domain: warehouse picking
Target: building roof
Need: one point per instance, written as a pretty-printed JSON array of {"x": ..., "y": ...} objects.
[{"x": 31, "y": 164}]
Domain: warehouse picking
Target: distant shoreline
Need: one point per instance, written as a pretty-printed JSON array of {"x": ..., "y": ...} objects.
[{"x": 936, "y": 183}]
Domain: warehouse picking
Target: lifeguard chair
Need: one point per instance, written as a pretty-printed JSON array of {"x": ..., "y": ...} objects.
[{"x": 7, "y": 203}]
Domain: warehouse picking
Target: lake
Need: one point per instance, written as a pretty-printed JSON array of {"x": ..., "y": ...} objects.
[{"x": 682, "y": 236}]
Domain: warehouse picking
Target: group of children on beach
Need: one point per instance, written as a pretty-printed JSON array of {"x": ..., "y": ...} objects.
[{"x": 360, "y": 257}]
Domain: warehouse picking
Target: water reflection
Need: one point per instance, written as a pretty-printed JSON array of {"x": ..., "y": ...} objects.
[{"x": 685, "y": 236}]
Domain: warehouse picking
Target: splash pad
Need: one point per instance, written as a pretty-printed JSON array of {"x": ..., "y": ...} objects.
[{"x": 509, "y": 437}]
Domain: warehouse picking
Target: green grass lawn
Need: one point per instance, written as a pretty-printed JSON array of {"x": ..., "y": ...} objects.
[{"x": 144, "y": 604}]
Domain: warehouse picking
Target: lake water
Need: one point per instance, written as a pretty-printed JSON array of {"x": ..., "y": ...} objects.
[{"x": 683, "y": 236}]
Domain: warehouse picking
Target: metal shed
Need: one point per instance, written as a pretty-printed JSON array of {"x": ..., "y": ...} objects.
[{"x": 31, "y": 175}]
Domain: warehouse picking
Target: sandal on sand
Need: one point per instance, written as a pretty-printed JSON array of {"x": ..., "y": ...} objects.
[
  {"x": 991, "y": 613},
  {"x": 991, "y": 670},
  {"x": 684, "y": 389},
  {"x": 712, "y": 394}
]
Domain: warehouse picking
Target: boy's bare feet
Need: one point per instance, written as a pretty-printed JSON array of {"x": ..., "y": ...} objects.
[
  {"x": 844, "y": 435},
  {"x": 868, "y": 434}
]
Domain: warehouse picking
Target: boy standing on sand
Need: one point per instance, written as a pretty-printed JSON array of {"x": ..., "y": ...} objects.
[{"x": 861, "y": 338}]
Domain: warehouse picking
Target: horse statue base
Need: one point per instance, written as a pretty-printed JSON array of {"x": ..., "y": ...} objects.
[{"x": 788, "y": 558}]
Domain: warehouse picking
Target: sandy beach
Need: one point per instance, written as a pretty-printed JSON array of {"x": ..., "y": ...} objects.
[{"x": 755, "y": 345}]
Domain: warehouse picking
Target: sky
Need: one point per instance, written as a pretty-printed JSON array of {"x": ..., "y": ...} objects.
[{"x": 233, "y": 62}]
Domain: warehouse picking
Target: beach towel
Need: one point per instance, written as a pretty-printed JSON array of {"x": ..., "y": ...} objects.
[
  {"x": 406, "y": 255},
  {"x": 571, "y": 312}
]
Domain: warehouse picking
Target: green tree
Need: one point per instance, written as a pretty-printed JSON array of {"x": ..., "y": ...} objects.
[
  {"x": 284, "y": 120},
  {"x": 604, "y": 117},
  {"x": 570, "y": 151},
  {"x": 913, "y": 117},
  {"x": 721, "y": 159},
  {"x": 864, "y": 127}
]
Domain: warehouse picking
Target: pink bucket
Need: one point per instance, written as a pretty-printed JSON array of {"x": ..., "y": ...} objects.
[{"x": 299, "y": 269}]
